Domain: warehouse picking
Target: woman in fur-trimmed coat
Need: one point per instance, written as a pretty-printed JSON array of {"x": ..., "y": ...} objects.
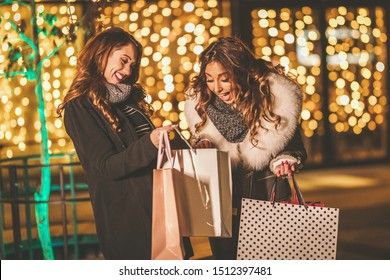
[{"x": 251, "y": 109}]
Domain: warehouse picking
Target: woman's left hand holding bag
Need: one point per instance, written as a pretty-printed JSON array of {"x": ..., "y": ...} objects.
[
  {"x": 285, "y": 169},
  {"x": 155, "y": 134}
]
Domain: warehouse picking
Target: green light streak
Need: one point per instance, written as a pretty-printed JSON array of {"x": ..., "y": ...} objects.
[
  {"x": 24, "y": 37},
  {"x": 42, "y": 194},
  {"x": 42, "y": 209},
  {"x": 30, "y": 75},
  {"x": 34, "y": 73}
]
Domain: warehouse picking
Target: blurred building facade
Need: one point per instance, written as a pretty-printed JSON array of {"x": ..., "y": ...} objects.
[{"x": 337, "y": 51}]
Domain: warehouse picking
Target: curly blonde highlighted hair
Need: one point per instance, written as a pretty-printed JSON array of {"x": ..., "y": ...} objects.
[
  {"x": 89, "y": 79},
  {"x": 250, "y": 88}
]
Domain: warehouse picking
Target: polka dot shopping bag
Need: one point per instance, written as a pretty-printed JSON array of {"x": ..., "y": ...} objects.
[{"x": 296, "y": 230}]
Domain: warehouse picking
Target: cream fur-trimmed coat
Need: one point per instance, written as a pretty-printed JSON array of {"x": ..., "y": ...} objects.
[{"x": 287, "y": 104}]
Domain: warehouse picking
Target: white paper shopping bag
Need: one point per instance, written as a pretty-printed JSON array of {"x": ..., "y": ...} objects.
[{"x": 203, "y": 188}]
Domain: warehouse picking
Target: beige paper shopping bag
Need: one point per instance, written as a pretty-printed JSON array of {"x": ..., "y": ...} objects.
[
  {"x": 166, "y": 238},
  {"x": 203, "y": 188}
]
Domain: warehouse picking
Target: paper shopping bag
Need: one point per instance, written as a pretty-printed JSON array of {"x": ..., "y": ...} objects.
[
  {"x": 287, "y": 231},
  {"x": 166, "y": 237},
  {"x": 203, "y": 188}
]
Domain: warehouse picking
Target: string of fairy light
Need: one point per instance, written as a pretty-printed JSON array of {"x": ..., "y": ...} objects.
[
  {"x": 19, "y": 123},
  {"x": 358, "y": 98},
  {"x": 355, "y": 55},
  {"x": 174, "y": 33}
]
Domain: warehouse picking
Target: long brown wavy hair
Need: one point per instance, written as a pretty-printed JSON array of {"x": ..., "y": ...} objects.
[
  {"x": 89, "y": 79},
  {"x": 250, "y": 88}
]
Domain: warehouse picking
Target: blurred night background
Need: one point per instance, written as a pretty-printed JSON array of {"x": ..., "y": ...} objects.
[{"x": 338, "y": 51}]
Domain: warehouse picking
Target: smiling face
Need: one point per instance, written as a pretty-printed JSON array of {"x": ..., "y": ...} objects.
[
  {"x": 119, "y": 64},
  {"x": 218, "y": 81}
]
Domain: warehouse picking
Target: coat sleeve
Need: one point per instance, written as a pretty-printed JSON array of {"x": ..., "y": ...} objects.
[
  {"x": 294, "y": 151},
  {"x": 95, "y": 147},
  {"x": 288, "y": 105}
]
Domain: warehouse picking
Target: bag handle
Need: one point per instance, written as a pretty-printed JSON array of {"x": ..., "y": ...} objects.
[
  {"x": 202, "y": 189},
  {"x": 183, "y": 138},
  {"x": 297, "y": 197},
  {"x": 164, "y": 147},
  {"x": 206, "y": 196}
]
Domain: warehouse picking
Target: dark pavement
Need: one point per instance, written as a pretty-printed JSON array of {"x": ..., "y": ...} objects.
[{"x": 362, "y": 194}]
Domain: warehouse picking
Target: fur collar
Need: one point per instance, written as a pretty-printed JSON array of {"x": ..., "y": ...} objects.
[{"x": 288, "y": 105}]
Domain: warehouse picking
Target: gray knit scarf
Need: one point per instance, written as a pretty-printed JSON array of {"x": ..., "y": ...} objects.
[
  {"x": 228, "y": 122},
  {"x": 117, "y": 93}
]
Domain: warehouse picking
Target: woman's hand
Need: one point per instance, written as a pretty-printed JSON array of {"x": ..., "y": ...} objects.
[
  {"x": 155, "y": 134},
  {"x": 203, "y": 144},
  {"x": 285, "y": 169}
]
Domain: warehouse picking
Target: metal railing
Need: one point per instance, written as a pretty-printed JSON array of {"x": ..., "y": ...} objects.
[{"x": 17, "y": 179}]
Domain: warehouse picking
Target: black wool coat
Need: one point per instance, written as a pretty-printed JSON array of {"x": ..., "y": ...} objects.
[{"x": 119, "y": 171}]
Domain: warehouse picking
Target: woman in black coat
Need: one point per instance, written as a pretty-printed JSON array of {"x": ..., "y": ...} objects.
[
  {"x": 251, "y": 109},
  {"x": 107, "y": 118}
]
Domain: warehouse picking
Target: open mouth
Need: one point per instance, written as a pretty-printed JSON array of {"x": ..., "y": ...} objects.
[{"x": 224, "y": 96}]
